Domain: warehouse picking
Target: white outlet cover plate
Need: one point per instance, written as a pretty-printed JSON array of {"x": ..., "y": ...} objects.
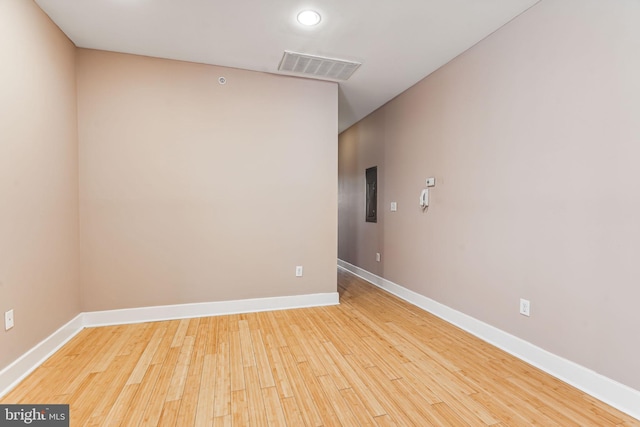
[
  {"x": 8, "y": 320},
  {"x": 394, "y": 206},
  {"x": 525, "y": 307},
  {"x": 431, "y": 182}
]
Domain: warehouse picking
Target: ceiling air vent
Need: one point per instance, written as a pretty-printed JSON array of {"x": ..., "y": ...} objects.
[{"x": 317, "y": 67}]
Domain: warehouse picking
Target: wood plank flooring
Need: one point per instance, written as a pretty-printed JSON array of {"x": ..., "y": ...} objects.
[{"x": 374, "y": 360}]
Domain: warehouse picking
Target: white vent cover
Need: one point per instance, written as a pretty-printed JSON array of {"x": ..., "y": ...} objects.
[{"x": 317, "y": 66}]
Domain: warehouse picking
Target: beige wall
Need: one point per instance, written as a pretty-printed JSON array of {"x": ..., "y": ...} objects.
[
  {"x": 193, "y": 191},
  {"x": 38, "y": 178},
  {"x": 361, "y": 147},
  {"x": 534, "y": 139}
]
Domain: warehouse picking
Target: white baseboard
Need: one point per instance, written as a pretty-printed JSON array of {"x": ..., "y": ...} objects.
[
  {"x": 204, "y": 309},
  {"x": 28, "y": 362},
  {"x": 613, "y": 393},
  {"x": 25, "y": 364}
]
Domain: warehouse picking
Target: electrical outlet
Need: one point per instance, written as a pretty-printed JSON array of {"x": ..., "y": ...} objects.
[
  {"x": 8, "y": 320},
  {"x": 299, "y": 271},
  {"x": 525, "y": 307},
  {"x": 378, "y": 256},
  {"x": 394, "y": 206}
]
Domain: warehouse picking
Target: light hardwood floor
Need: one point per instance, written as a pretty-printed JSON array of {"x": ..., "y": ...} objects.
[{"x": 374, "y": 360}]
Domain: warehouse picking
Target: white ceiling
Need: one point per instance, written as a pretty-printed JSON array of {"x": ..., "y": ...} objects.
[{"x": 398, "y": 42}]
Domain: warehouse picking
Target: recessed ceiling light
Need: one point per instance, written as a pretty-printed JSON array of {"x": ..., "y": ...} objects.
[{"x": 309, "y": 17}]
